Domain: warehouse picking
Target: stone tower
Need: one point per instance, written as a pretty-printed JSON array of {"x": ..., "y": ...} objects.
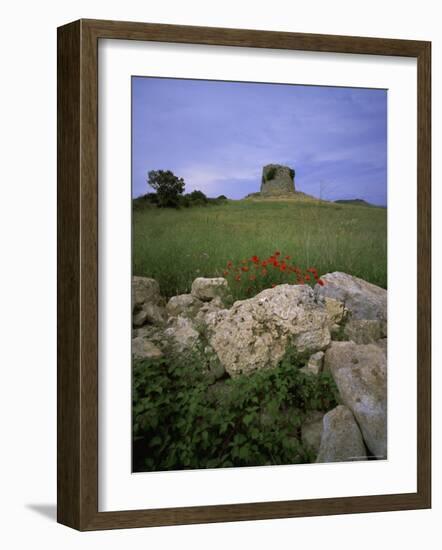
[{"x": 277, "y": 180}]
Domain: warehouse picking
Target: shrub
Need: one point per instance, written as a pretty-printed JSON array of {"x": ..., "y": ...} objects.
[
  {"x": 216, "y": 202},
  {"x": 145, "y": 201},
  {"x": 185, "y": 201},
  {"x": 197, "y": 197},
  {"x": 182, "y": 421}
]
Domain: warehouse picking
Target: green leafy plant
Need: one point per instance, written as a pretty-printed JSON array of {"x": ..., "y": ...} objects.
[{"x": 181, "y": 420}]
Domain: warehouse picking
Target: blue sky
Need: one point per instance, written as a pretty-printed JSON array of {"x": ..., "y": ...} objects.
[{"x": 218, "y": 136}]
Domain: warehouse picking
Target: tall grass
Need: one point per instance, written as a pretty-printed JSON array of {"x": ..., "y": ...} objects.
[{"x": 176, "y": 246}]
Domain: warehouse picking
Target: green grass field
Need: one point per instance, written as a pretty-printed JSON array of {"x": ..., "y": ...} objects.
[{"x": 176, "y": 246}]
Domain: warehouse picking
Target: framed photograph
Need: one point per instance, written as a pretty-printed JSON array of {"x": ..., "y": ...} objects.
[{"x": 243, "y": 274}]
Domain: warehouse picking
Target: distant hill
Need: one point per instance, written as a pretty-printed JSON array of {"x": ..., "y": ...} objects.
[{"x": 356, "y": 202}]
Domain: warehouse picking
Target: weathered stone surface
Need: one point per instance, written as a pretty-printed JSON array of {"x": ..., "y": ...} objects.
[
  {"x": 149, "y": 313},
  {"x": 185, "y": 305},
  {"x": 336, "y": 332},
  {"x": 314, "y": 364},
  {"x": 207, "y": 289},
  {"x": 277, "y": 180},
  {"x": 145, "y": 349},
  {"x": 151, "y": 332},
  {"x": 364, "y": 331},
  {"x": 144, "y": 290},
  {"x": 139, "y": 318},
  {"x": 147, "y": 302},
  {"x": 182, "y": 334},
  {"x": 335, "y": 310},
  {"x": 211, "y": 312},
  {"x": 360, "y": 373},
  {"x": 383, "y": 344},
  {"x": 363, "y": 300},
  {"x": 311, "y": 431},
  {"x": 341, "y": 439},
  {"x": 256, "y": 333}
]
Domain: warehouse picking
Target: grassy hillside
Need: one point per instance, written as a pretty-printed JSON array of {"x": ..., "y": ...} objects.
[{"x": 176, "y": 246}]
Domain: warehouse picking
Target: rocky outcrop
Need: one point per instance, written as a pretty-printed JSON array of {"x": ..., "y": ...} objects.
[
  {"x": 256, "y": 333},
  {"x": 383, "y": 344},
  {"x": 360, "y": 373},
  {"x": 211, "y": 313},
  {"x": 144, "y": 290},
  {"x": 362, "y": 300},
  {"x": 150, "y": 314},
  {"x": 185, "y": 305},
  {"x": 182, "y": 334},
  {"x": 364, "y": 307},
  {"x": 338, "y": 327},
  {"x": 143, "y": 348},
  {"x": 314, "y": 364},
  {"x": 341, "y": 439},
  {"x": 207, "y": 289},
  {"x": 364, "y": 331},
  {"x": 277, "y": 180},
  {"x": 147, "y": 302},
  {"x": 337, "y": 314},
  {"x": 336, "y": 310}
]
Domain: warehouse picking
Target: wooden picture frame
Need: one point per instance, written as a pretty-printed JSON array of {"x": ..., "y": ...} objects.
[{"x": 78, "y": 274}]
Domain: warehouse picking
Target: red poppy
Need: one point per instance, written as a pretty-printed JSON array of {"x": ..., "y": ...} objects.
[
  {"x": 238, "y": 278},
  {"x": 287, "y": 257},
  {"x": 252, "y": 277},
  {"x": 244, "y": 268},
  {"x": 273, "y": 285},
  {"x": 283, "y": 267},
  {"x": 264, "y": 263},
  {"x": 255, "y": 259},
  {"x": 307, "y": 277},
  {"x": 321, "y": 282},
  {"x": 229, "y": 264},
  {"x": 277, "y": 253},
  {"x": 264, "y": 272},
  {"x": 225, "y": 273}
]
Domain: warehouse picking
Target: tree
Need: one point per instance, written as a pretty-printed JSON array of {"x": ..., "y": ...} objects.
[{"x": 169, "y": 187}]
